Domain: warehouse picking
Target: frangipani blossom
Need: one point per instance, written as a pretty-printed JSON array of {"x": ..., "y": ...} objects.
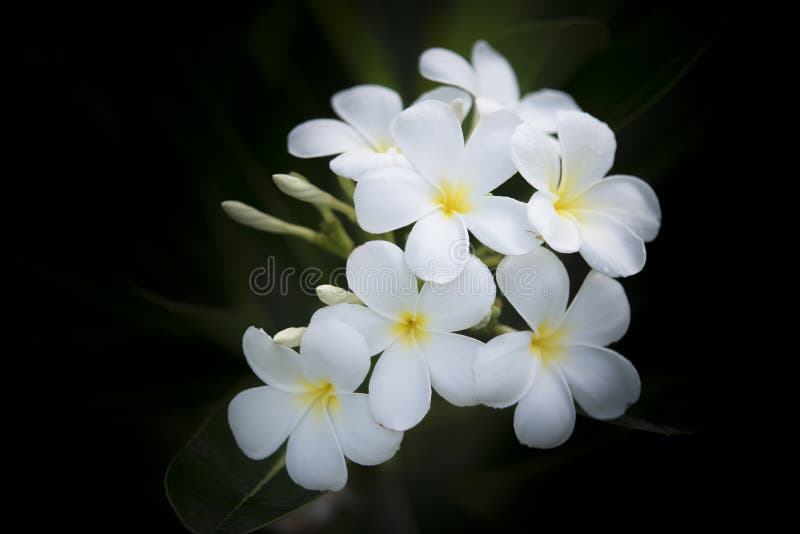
[
  {"x": 362, "y": 138},
  {"x": 563, "y": 357},
  {"x": 493, "y": 82},
  {"x": 414, "y": 330},
  {"x": 309, "y": 399},
  {"x": 608, "y": 220},
  {"x": 447, "y": 192}
]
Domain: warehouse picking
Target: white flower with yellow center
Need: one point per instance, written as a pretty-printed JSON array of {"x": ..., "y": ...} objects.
[
  {"x": 309, "y": 399},
  {"x": 491, "y": 79},
  {"x": 362, "y": 138},
  {"x": 575, "y": 209},
  {"x": 414, "y": 329},
  {"x": 447, "y": 193},
  {"x": 563, "y": 357}
]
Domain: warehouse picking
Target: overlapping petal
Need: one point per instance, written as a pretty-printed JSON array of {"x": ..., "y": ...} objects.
[
  {"x": 460, "y": 303},
  {"x": 628, "y": 199},
  {"x": 502, "y": 224},
  {"x": 376, "y": 329},
  {"x": 357, "y": 163},
  {"x": 487, "y": 159},
  {"x": 400, "y": 387},
  {"x": 602, "y": 381},
  {"x": 496, "y": 78},
  {"x": 545, "y": 417},
  {"x": 445, "y": 66},
  {"x": 537, "y": 158},
  {"x": 377, "y": 273},
  {"x": 429, "y": 135},
  {"x": 324, "y": 137},
  {"x": 275, "y": 364},
  {"x": 438, "y": 247},
  {"x": 504, "y": 369},
  {"x": 262, "y": 418},
  {"x": 450, "y": 360},
  {"x": 362, "y": 439},
  {"x": 609, "y": 246},
  {"x": 370, "y": 110},
  {"x": 449, "y": 95},
  {"x": 559, "y": 229},
  {"x": 314, "y": 458},
  {"x": 540, "y": 108},
  {"x": 598, "y": 315},
  {"x": 587, "y": 150},
  {"x": 392, "y": 197},
  {"x": 537, "y": 285},
  {"x": 334, "y": 352}
]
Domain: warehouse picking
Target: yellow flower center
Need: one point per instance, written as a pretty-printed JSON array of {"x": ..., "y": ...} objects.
[
  {"x": 323, "y": 395},
  {"x": 547, "y": 343},
  {"x": 453, "y": 198},
  {"x": 410, "y": 327}
]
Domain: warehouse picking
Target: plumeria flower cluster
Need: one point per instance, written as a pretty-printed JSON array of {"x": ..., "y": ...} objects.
[{"x": 424, "y": 316}]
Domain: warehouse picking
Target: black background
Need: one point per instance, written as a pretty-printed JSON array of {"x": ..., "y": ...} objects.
[{"x": 128, "y": 126}]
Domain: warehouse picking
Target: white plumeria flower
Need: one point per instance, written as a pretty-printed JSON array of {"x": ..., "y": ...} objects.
[
  {"x": 309, "y": 399},
  {"x": 563, "y": 357},
  {"x": 414, "y": 330},
  {"x": 492, "y": 81},
  {"x": 448, "y": 191},
  {"x": 362, "y": 137},
  {"x": 575, "y": 209}
]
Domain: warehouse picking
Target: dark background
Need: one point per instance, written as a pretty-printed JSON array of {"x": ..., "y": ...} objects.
[{"x": 129, "y": 287}]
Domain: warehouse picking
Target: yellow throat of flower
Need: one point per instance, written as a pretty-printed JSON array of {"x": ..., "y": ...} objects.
[
  {"x": 410, "y": 327},
  {"x": 453, "y": 198},
  {"x": 323, "y": 395},
  {"x": 547, "y": 342}
]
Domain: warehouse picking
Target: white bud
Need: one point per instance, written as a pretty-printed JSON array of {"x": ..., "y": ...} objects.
[
  {"x": 290, "y": 337},
  {"x": 249, "y": 216},
  {"x": 331, "y": 295}
]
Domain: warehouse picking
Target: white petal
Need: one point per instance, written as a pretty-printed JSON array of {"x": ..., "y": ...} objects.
[
  {"x": 275, "y": 364},
  {"x": 262, "y": 418},
  {"x": 324, "y": 137},
  {"x": 393, "y": 197},
  {"x": 376, "y": 329},
  {"x": 449, "y": 95},
  {"x": 445, "y": 66},
  {"x": 377, "y": 273},
  {"x": 630, "y": 200},
  {"x": 314, "y": 458},
  {"x": 587, "y": 151},
  {"x": 429, "y": 135},
  {"x": 608, "y": 245},
  {"x": 536, "y": 156},
  {"x": 400, "y": 387},
  {"x": 487, "y": 158},
  {"x": 438, "y": 247},
  {"x": 559, "y": 231},
  {"x": 599, "y": 313},
  {"x": 334, "y": 352},
  {"x": 545, "y": 417},
  {"x": 357, "y": 163},
  {"x": 496, "y": 78},
  {"x": 540, "y": 108},
  {"x": 603, "y": 382},
  {"x": 502, "y": 224},
  {"x": 370, "y": 110},
  {"x": 450, "y": 358},
  {"x": 504, "y": 369},
  {"x": 459, "y": 304},
  {"x": 363, "y": 440},
  {"x": 487, "y": 105},
  {"x": 537, "y": 285}
]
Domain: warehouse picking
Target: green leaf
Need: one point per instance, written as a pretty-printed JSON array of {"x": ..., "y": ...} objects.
[{"x": 214, "y": 487}]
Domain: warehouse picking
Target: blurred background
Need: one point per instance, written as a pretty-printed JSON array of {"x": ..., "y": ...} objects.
[{"x": 129, "y": 286}]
